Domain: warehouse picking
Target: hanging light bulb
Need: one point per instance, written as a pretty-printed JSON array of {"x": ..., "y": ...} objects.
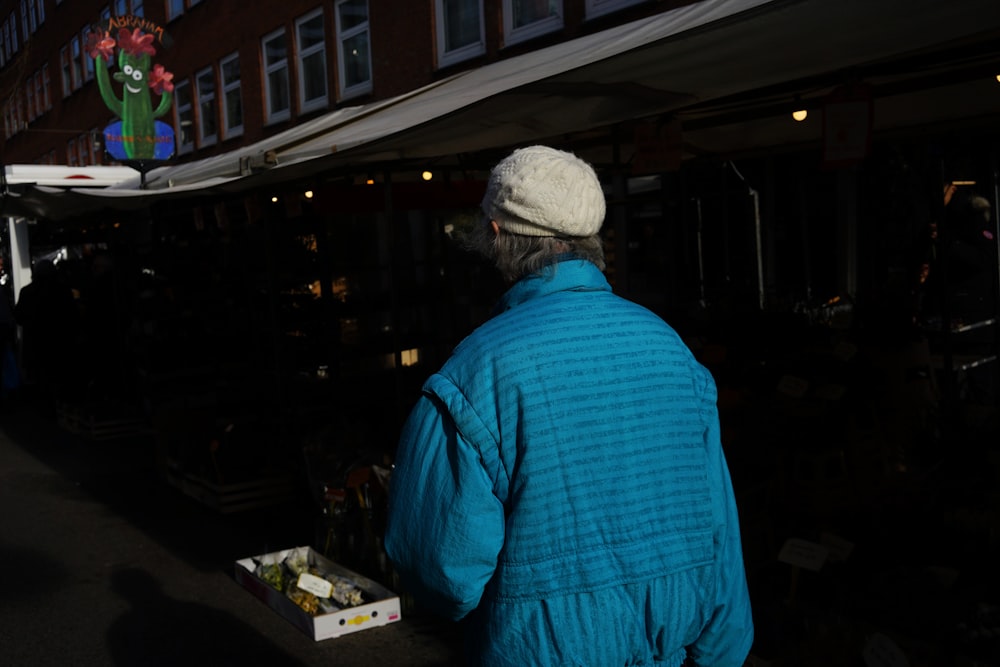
[
  {"x": 800, "y": 115},
  {"x": 427, "y": 175}
]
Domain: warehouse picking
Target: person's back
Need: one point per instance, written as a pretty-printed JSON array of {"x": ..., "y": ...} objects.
[{"x": 562, "y": 481}]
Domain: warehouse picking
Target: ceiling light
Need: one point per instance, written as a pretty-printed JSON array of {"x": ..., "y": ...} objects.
[
  {"x": 800, "y": 115},
  {"x": 427, "y": 175}
]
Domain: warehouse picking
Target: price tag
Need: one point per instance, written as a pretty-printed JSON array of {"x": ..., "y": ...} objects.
[{"x": 318, "y": 586}]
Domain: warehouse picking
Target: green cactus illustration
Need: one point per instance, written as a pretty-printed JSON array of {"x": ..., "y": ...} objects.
[{"x": 139, "y": 80}]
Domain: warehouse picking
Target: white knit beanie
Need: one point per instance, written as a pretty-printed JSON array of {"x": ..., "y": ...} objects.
[{"x": 541, "y": 191}]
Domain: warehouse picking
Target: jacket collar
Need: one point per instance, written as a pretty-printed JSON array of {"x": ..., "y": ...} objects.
[{"x": 564, "y": 274}]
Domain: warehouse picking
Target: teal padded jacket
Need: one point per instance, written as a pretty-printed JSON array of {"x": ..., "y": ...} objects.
[{"x": 561, "y": 483}]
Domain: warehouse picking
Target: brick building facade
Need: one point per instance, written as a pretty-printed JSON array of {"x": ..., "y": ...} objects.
[{"x": 244, "y": 72}]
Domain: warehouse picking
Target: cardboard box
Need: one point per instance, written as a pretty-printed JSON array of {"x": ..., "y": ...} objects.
[{"x": 382, "y": 606}]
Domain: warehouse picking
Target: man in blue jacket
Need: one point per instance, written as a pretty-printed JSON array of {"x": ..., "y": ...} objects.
[{"x": 561, "y": 480}]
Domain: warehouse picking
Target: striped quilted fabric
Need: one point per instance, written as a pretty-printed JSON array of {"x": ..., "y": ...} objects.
[{"x": 590, "y": 414}]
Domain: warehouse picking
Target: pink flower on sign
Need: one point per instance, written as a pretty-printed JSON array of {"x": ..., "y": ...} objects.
[
  {"x": 100, "y": 45},
  {"x": 135, "y": 43},
  {"x": 160, "y": 80}
]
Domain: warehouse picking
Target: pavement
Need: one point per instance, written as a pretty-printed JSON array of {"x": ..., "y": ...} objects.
[{"x": 103, "y": 563}]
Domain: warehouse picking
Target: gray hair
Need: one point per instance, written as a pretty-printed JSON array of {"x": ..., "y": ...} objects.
[{"x": 516, "y": 256}]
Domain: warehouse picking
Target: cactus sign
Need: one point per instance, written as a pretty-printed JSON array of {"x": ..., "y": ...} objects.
[{"x": 129, "y": 41}]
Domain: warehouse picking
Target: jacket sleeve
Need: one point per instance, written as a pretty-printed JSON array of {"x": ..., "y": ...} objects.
[
  {"x": 727, "y": 637},
  {"x": 445, "y": 526}
]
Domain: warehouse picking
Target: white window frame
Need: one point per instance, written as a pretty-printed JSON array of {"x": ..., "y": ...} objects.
[
  {"x": 211, "y": 98},
  {"x": 273, "y": 68},
  {"x": 364, "y": 87},
  {"x": 228, "y": 87},
  {"x": 446, "y": 58},
  {"x": 514, "y": 34},
  {"x": 179, "y": 112},
  {"x": 304, "y": 53},
  {"x": 595, "y": 8}
]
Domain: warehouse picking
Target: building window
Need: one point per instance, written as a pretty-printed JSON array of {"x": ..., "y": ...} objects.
[
  {"x": 46, "y": 87},
  {"x": 525, "y": 19},
  {"x": 36, "y": 10},
  {"x": 275, "y": 49},
  {"x": 460, "y": 32},
  {"x": 232, "y": 100},
  {"x": 312, "y": 61},
  {"x": 97, "y": 155},
  {"x": 41, "y": 94},
  {"x": 355, "y": 51},
  {"x": 85, "y": 149},
  {"x": 30, "y": 98},
  {"x": 28, "y": 18},
  {"x": 595, "y": 8},
  {"x": 26, "y": 30},
  {"x": 12, "y": 34},
  {"x": 177, "y": 7},
  {"x": 183, "y": 117},
  {"x": 129, "y": 8},
  {"x": 22, "y": 119},
  {"x": 77, "y": 63},
  {"x": 208, "y": 124},
  {"x": 174, "y": 8},
  {"x": 86, "y": 63},
  {"x": 72, "y": 158},
  {"x": 66, "y": 65}
]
